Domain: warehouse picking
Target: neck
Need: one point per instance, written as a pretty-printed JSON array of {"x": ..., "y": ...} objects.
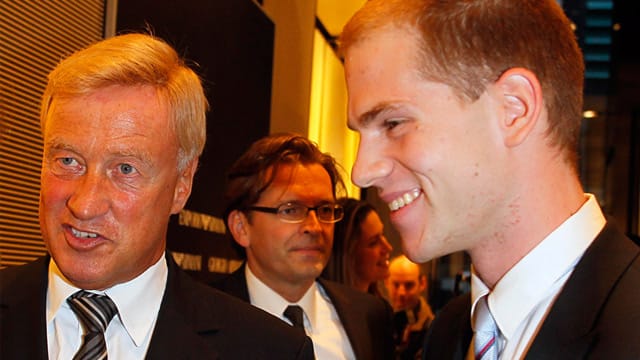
[
  {"x": 534, "y": 211},
  {"x": 361, "y": 285},
  {"x": 289, "y": 290}
]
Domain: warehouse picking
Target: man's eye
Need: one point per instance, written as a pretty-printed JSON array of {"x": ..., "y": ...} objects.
[
  {"x": 67, "y": 161},
  {"x": 325, "y": 210},
  {"x": 390, "y": 124},
  {"x": 291, "y": 210},
  {"x": 409, "y": 286},
  {"x": 127, "y": 169}
]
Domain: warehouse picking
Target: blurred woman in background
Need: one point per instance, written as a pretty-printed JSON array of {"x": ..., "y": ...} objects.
[{"x": 360, "y": 256}]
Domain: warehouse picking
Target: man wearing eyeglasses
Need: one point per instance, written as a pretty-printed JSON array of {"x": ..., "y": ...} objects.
[{"x": 281, "y": 210}]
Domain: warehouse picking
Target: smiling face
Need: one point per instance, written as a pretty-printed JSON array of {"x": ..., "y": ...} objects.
[
  {"x": 109, "y": 184},
  {"x": 288, "y": 257},
  {"x": 371, "y": 253},
  {"x": 433, "y": 158}
]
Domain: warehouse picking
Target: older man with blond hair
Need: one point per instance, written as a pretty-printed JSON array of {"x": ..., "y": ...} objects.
[{"x": 124, "y": 124}]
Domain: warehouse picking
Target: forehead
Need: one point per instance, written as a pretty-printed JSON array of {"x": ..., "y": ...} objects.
[
  {"x": 404, "y": 271},
  {"x": 384, "y": 50},
  {"x": 296, "y": 181},
  {"x": 116, "y": 108},
  {"x": 114, "y": 118},
  {"x": 404, "y": 278},
  {"x": 380, "y": 71},
  {"x": 372, "y": 222}
]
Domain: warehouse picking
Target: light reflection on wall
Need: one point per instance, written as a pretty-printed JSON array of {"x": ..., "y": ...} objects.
[{"x": 328, "y": 110}]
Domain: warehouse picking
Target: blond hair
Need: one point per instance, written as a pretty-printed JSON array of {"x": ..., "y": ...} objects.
[{"x": 136, "y": 60}]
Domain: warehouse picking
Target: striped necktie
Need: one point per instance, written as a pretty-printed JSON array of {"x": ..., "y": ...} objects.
[
  {"x": 94, "y": 313},
  {"x": 485, "y": 340}
]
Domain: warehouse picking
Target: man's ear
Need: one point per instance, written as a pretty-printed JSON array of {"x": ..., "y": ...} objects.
[
  {"x": 183, "y": 186},
  {"x": 520, "y": 95},
  {"x": 422, "y": 285},
  {"x": 239, "y": 227}
]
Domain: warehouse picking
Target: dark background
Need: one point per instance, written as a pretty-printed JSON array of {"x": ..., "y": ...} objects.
[{"x": 230, "y": 45}]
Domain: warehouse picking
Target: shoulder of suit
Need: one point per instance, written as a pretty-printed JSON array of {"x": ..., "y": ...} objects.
[
  {"x": 15, "y": 276},
  {"x": 334, "y": 288}
]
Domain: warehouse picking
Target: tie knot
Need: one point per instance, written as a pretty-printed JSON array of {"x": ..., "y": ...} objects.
[
  {"x": 94, "y": 311},
  {"x": 486, "y": 332},
  {"x": 484, "y": 320},
  {"x": 295, "y": 314}
]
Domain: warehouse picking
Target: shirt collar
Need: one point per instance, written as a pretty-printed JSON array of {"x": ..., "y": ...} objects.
[
  {"x": 527, "y": 283},
  {"x": 138, "y": 300},
  {"x": 262, "y": 296}
]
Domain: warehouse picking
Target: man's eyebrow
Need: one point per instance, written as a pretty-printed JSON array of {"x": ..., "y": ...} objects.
[
  {"x": 127, "y": 152},
  {"x": 365, "y": 119},
  {"x": 58, "y": 144}
]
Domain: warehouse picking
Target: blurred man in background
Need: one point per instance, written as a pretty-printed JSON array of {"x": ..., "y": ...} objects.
[
  {"x": 281, "y": 208},
  {"x": 406, "y": 287}
]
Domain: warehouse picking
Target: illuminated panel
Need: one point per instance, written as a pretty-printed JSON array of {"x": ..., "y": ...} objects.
[{"x": 328, "y": 110}]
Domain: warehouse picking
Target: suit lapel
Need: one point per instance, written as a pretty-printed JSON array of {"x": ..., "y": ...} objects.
[
  {"x": 235, "y": 284},
  {"x": 22, "y": 309},
  {"x": 568, "y": 331},
  {"x": 183, "y": 321},
  {"x": 449, "y": 335},
  {"x": 351, "y": 320}
]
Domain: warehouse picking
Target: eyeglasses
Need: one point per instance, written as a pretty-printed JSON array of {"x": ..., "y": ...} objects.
[{"x": 296, "y": 213}]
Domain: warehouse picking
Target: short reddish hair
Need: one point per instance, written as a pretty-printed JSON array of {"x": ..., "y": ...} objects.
[{"x": 468, "y": 44}]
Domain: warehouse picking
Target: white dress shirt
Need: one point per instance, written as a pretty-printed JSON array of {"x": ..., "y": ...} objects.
[
  {"x": 128, "y": 334},
  {"x": 321, "y": 321},
  {"x": 521, "y": 300}
]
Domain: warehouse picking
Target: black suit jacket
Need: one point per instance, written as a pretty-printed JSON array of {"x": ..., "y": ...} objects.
[
  {"x": 194, "y": 321},
  {"x": 596, "y": 315},
  {"x": 365, "y": 318}
]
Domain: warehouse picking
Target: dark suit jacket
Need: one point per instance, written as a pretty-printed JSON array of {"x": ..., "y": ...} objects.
[
  {"x": 194, "y": 321},
  {"x": 365, "y": 318},
  {"x": 596, "y": 315}
]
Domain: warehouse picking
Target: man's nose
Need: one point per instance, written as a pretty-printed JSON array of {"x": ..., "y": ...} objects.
[
  {"x": 370, "y": 165},
  {"x": 90, "y": 196},
  {"x": 311, "y": 222}
]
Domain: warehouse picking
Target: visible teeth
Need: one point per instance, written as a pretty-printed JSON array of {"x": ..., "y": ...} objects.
[
  {"x": 83, "y": 234},
  {"x": 404, "y": 200}
]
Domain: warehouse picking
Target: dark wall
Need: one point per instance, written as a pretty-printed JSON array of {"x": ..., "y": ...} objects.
[
  {"x": 230, "y": 45},
  {"x": 623, "y": 125}
]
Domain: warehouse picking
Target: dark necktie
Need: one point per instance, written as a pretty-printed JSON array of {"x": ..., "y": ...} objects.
[
  {"x": 294, "y": 314},
  {"x": 94, "y": 313}
]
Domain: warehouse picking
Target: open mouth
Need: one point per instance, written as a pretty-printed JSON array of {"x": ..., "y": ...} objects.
[{"x": 83, "y": 234}]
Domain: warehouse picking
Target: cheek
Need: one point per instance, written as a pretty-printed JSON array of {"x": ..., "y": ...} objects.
[
  {"x": 268, "y": 237},
  {"x": 137, "y": 218},
  {"x": 128, "y": 207},
  {"x": 53, "y": 191},
  {"x": 424, "y": 150},
  {"x": 327, "y": 232},
  {"x": 366, "y": 258}
]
